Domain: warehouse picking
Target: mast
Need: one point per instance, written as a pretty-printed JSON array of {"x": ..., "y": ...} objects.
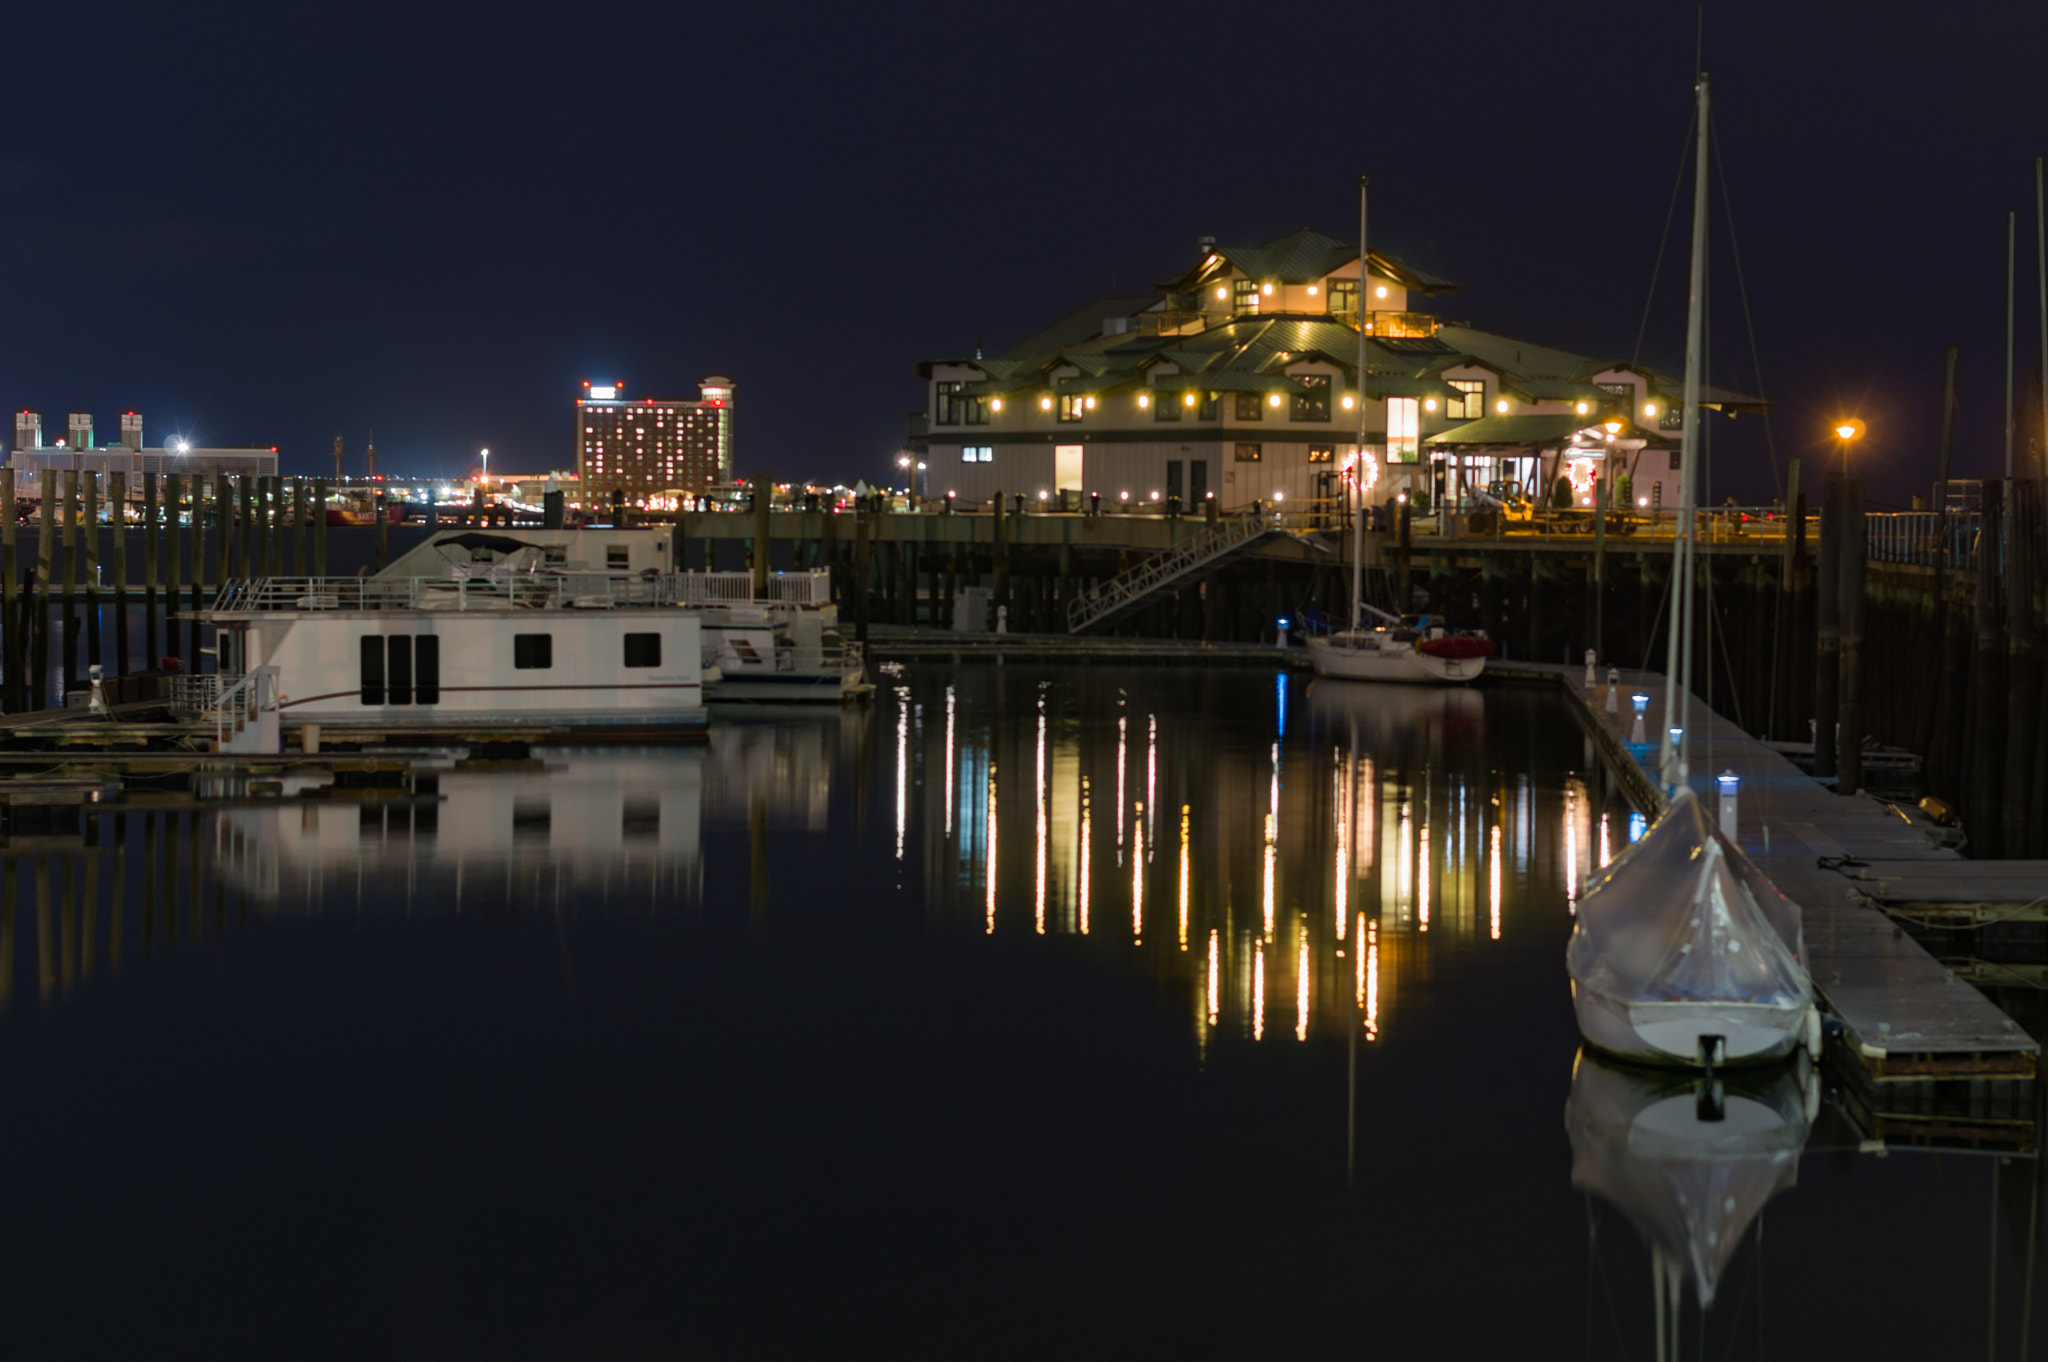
[
  {"x": 1358, "y": 459},
  {"x": 2010, "y": 231},
  {"x": 1678, "y": 647}
]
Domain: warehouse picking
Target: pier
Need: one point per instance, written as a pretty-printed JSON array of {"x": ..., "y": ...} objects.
[{"x": 1927, "y": 1057}]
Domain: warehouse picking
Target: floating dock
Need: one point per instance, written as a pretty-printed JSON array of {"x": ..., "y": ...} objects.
[
  {"x": 1927, "y": 1058},
  {"x": 900, "y": 643}
]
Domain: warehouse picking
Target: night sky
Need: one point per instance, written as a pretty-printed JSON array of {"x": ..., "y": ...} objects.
[{"x": 266, "y": 224}]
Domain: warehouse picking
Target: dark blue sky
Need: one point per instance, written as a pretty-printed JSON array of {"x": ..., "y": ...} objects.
[{"x": 264, "y": 224}]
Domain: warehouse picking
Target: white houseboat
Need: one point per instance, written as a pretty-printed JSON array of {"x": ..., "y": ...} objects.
[
  {"x": 565, "y": 650},
  {"x": 782, "y": 645}
]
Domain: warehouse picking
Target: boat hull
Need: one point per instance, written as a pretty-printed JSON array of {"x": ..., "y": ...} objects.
[
  {"x": 1390, "y": 661},
  {"x": 1673, "y": 1033}
]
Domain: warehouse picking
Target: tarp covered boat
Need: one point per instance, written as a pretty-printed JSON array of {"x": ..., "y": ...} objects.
[{"x": 1684, "y": 953}]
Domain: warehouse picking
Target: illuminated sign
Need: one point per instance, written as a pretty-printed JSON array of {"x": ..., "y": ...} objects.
[{"x": 605, "y": 393}]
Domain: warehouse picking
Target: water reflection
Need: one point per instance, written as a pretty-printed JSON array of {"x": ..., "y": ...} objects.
[
  {"x": 1381, "y": 804},
  {"x": 1690, "y": 1161}
]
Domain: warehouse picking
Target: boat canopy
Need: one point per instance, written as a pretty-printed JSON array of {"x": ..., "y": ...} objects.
[{"x": 1685, "y": 916}]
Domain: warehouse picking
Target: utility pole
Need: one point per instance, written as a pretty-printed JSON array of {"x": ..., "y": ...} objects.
[
  {"x": 337, "y": 458},
  {"x": 371, "y": 455}
]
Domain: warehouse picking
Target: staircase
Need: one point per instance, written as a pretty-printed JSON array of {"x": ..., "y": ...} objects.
[{"x": 1128, "y": 591}]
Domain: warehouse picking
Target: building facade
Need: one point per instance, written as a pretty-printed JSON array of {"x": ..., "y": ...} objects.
[
  {"x": 649, "y": 449},
  {"x": 78, "y": 452},
  {"x": 1238, "y": 380}
]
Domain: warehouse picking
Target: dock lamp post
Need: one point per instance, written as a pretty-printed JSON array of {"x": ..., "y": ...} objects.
[
  {"x": 903, "y": 462},
  {"x": 1847, "y": 432},
  {"x": 1730, "y": 785},
  {"x": 1636, "y": 735}
]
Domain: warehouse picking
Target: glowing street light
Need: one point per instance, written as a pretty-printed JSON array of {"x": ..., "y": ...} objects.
[
  {"x": 1847, "y": 431},
  {"x": 487, "y": 465}
]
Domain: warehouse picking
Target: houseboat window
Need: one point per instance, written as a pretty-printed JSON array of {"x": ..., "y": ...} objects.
[
  {"x": 373, "y": 669},
  {"x": 426, "y": 659},
  {"x": 643, "y": 650},
  {"x": 615, "y": 557},
  {"x": 533, "y": 652},
  {"x": 398, "y": 668},
  {"x": 641, "y": 820}
]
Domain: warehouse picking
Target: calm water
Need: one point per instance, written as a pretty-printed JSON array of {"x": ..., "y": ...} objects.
[{"x": 1026, "y": 1013}]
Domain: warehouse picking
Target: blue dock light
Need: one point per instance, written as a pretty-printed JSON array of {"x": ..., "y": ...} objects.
[
  {"x": 1641, "y": 702},
  {"x": 1636, "y": 736},
  {"x": 1730, "y": 786}
]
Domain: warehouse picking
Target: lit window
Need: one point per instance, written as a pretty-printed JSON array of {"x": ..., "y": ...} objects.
[
  {"x": 1071, "y": 406},
  {"x": 1470, "y": 404},
  {"x": 1403, "y": 429},
  {"x": 1313, "y": 405},
  {"x": 1250, "y": 453},
  {"x": 1249, "y": 408},
  {"x": 1247, "y": 299},
  {"x": 1322, "y": 453}
]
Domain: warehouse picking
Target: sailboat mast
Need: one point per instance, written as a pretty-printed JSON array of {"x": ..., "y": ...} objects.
[
  {"x": 1358, "y": 458},
  {"x": 1678, "y": 648}
]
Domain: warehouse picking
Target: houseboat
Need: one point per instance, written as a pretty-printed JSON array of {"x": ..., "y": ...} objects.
[
  {"x": 565, "y": 650},
  {"x": 780, "y": 645}
]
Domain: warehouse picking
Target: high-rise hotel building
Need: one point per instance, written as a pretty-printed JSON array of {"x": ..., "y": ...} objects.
[{"x": 649, "y": 447}]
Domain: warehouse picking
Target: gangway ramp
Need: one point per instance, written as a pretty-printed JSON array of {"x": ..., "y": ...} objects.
[{"x": 1129, "y": 591}]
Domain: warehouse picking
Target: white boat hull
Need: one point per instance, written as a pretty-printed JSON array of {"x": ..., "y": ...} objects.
[
  {"x": 1377, "y": 658},
  {"x": 1676, "y": 1032}
]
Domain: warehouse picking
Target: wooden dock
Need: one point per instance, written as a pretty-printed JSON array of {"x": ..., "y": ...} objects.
[
  {"x": 1927, "y": 1058},
  {"x": 900, "y": 643}
]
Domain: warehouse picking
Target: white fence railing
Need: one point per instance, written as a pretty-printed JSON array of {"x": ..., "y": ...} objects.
[
  {"x": 534, "y": 590},
  {"x": 735, "y": 588}
]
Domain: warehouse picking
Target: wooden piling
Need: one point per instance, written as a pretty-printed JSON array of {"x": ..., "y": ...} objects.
[
  {"x": 1987, "y": 755},
  {"x": 117, "y": 514},
  {"x": 1849, "y": 754},
  {"x": 1827, "y": 672},
  {"x": 300, "y": 530},
  {"x": 11, "y": 632},
  {"x": 319, "y": 527},
  {"x": 2023, "y": 667},
  {"x": 242, "y": 510},
  {"x": 67, "y": 575},
  {"x": 999, "y": 553},
  {"x": 763, "y": 503},
  {"x": 174, "y": 560},
  {"x": 150, "y": 539},
  {"x": 861, "y": 557},
  {"x": 89, "y": 523}
]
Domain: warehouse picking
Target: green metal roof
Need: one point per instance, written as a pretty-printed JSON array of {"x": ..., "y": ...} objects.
[{"x": 1520, "y": 431}]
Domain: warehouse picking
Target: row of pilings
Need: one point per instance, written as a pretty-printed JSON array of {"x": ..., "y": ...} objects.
[{"x": 1801, "y": 638}]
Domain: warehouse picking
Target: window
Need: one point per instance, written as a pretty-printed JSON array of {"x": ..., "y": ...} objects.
[
  {"x": 1167, "y": 406},
  {"x": 1071, "y": 406},
  {"x": 1322, "y": 453},
  {"x": 977, "y": 454},
  {"x": 640, "y": 820},
  {"x": 946, "y": 402},
  {"x": 616, "y": 557},
  {"x": 1625, "y": 391},
  {"x": 1249, "y": 453},
  {"x": 1313, "y": 405},
  {"x": 643, "y": 650},
  {"x": 1343, "y": 296},
  {"x": 532, "y": 820},
  {"x": 1205, "y": 410},
  {"x": 1250, "y": 406},
  {"x": 1471, "y": 404},
  {"x": 398, "y": 669},
  {"x": 533, "y": 652},
  {"x": 1402, "y": 429},
  {"x": 426, "y": 657},
  {"x": 1247, "y": 295},
  {"x": 373, "y": 669}
]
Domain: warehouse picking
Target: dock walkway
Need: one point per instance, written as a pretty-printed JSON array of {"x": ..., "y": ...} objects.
[{"x": 1908, "y": 1023}]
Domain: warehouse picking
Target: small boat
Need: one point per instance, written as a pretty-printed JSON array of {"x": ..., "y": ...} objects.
[
  {"x": 785, "y": 646},
  {"x": 1683, "y": 953},
  {"x": 1414, "y": 649},
  {"x": 1690, "y": 1160}
]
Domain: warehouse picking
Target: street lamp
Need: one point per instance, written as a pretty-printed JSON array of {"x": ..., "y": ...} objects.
[
  {"x": 1847, "y": 431},
  {"x": 487, "y": 465}
]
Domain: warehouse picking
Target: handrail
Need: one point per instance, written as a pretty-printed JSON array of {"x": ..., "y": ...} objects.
[
  {"x": 1124, "y": 590},
  {"x": 498, "y": 591}
]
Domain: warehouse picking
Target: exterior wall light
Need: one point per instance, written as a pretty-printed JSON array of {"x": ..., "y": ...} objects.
[
  {"x": 995, "y": 404},
  {"x": 1313, "y": 290},
  {"x": 1582, "y": 409},
  {"x": 1613, "y": 428},
  {"x": 1144, "y": 400},
  {"x": 1380, "y": 292},
  {"x": 1428, "y": 404},
  {"x": 1187, "y": 399},
  {"x": 1649, "y": 408},
  {"x": 1274, "y": 400},
  {"x": 1045, "y": 404},
  {"x": 1266, "y": 289},
  {"x": 1501, "y": 406},
  {"x": 1222, "y": 292},
  {"x": 1349, "y": 401},
  {"x": 1089, "y": 404}
]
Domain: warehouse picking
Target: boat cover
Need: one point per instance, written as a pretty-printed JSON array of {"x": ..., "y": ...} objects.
[
  {"x": 1690, "y": 1160},
  {"x": 1683, "y": 916}
]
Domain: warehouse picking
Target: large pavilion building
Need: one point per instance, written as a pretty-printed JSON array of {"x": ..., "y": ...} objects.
[{"x": 1238, "y": 380}]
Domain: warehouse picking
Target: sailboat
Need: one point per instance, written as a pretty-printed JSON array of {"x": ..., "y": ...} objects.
[
  {"x": 1683, "y": 952},
  {"x": 1415, "y": 648}
]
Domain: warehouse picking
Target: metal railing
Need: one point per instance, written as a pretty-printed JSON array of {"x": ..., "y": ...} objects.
[
  {"x": 524, "y": 590},
  {"x": 1924, "y": 537},
  {"x": 194, "y": 694},
  {"x": 842, "y": 657},
  {"x": 1122, "y": 592},
  {"x": 737, "y": 588}
]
